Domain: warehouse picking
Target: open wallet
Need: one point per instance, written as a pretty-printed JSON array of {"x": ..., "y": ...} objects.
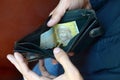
[{"x": 76, "y": 30}]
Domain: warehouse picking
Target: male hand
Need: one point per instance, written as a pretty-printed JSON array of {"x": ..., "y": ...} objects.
[
  {"x": 71, "y": 72},
  {"x": 65, "y": 5}
]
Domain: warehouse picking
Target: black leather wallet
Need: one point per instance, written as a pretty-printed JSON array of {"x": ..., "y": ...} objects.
[{"x": 76, "y": 30}]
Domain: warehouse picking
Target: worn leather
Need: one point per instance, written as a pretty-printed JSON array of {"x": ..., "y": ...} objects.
[{"x": 89, "y": 30}]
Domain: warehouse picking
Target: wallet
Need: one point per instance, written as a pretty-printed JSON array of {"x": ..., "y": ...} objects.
[{"x": 76, "y": 30}]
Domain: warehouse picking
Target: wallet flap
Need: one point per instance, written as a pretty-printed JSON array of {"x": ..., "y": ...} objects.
[{"x": 75, "y": 28}]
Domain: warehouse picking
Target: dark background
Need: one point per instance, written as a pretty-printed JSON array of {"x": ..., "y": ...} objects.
[{"x": 17, "y": 19}]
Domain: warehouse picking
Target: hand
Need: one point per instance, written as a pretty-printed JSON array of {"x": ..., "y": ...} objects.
[
  {"x": 64, "y": 5},
  {"x": 43, "y": 69},
  {"x": 71, "y": 72}
]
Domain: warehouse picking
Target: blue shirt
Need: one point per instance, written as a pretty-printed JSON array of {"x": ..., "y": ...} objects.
[
  {"x": 102, "y": 61},
  {"x": 108, "y": 13}
]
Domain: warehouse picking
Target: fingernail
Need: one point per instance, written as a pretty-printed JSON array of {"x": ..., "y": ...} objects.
[
  {"x": 9, "y": 57},
  {"x": 57, "y": 50},
  {"x": 50, "y": 23}
]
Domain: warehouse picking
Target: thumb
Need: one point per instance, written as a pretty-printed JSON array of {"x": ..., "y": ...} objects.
[
  {"x": 61, "y": 56},
  {"x": 70, "y": 70}
]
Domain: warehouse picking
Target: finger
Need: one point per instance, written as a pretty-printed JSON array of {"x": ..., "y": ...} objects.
[
  {"x": 12, "y": 59},
  {"x": 51, "y": 77},
  {"x": 26, "y": 72},
  {"x": 69, "y": 68},
  {"x": 41, "y": 65},
  {"x": 61, "y": 77},
  {"x": 52, "y": 11},
  {"x": 41, "y": 62},
  {"x": 22, "y": 62},
  {"x": 33, "y": 76},
  {"x": 47, "y": 75},
  {"x": 77, "y": 4},
  {"x": 56, "y": 16},
  {"x": 54, "y": 61},
  {"x": 24, "y": 78},
  {"x": 43, "y": 70},
  {"x": 28, "y": 75},
  {"x": 61, "y": 56},
  {"x": 58, "y": 12},
  {"x": 87, "y": 4},
  {"x": 71, "y": 54}
]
